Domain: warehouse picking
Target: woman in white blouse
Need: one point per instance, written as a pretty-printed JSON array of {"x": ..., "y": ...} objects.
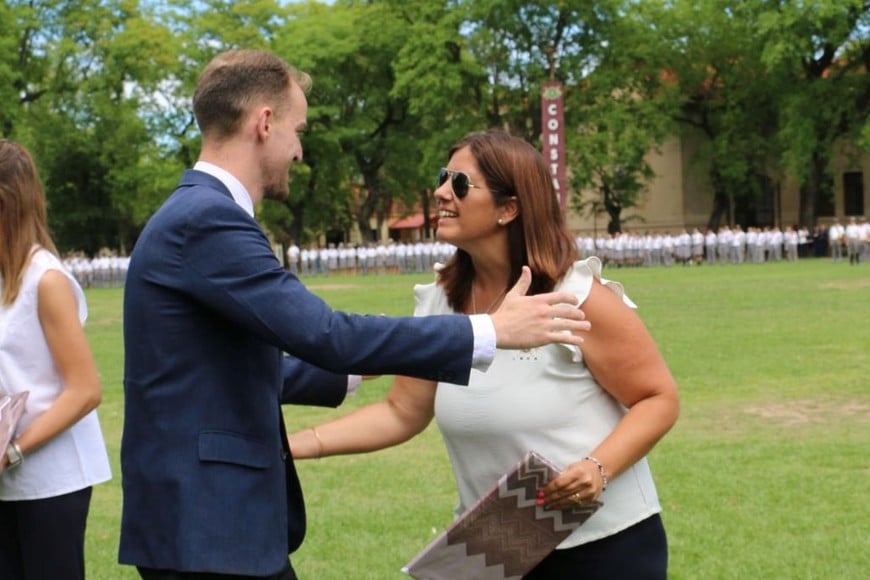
[
  {"x": 57, "y": 452},
  {"x": 594, "y": 411}
]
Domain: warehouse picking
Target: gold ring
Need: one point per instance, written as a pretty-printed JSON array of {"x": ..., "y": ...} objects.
[{"x": 576, "y": 497}]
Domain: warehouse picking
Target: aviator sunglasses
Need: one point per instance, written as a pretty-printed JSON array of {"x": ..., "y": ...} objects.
[{"x": 458, "y": 181}]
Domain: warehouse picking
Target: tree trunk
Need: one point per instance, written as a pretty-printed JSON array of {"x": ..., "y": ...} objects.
[
  {"x": 812, "y": 191},
  {"x": 721, "y": 200},
  {"x": 368, "y": 208},
  {"x": 296, "y": 230},
  {"x": 614, "y": 211},
  {"x": 720, "y": 208},
  {"x": 363, "y": 220},
  {"x": 427, "y": 227}
]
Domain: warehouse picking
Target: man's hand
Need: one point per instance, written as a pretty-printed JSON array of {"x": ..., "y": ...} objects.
[{"x": 529, "y": 321}]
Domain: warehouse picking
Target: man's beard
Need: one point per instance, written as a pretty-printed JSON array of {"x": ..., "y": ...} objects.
[
  {"x": 276, "y": 192},
  {"x": 278, "y": 187}
]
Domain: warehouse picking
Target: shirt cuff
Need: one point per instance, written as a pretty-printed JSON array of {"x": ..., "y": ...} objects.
[
  {"x": 484, "y": 341},
  {"x": 353, "y": 382}
]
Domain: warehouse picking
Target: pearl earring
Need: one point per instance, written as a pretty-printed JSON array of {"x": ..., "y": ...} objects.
[{"x": 500, "y": 222}]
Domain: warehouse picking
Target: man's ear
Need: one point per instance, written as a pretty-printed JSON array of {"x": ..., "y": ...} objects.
[{"x": 265, "y": 118}]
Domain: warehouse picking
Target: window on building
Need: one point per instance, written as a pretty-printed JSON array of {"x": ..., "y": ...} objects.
[{"x": 853, "y": 193}]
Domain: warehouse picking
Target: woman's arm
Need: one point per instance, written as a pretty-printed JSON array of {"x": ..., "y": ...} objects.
[
  {"x": 406, "y": 411},
  {"x": 58, "y": 316},
  {"x": 625, "y": 361}
]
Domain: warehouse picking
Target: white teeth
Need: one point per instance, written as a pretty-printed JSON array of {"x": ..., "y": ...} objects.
[{"x": 446, "y": 214}]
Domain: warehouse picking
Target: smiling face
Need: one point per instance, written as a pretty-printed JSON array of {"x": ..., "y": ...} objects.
[
  {"x": 515, "y": 186},
  {"x": 283, "y": 145},
  {"x": 473, "y": 219}
]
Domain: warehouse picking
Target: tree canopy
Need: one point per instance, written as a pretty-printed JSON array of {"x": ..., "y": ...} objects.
[{"x": 100, "y": 92}]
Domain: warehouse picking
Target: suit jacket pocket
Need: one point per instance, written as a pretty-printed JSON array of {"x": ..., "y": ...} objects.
[{"x": 229, "y": 447}]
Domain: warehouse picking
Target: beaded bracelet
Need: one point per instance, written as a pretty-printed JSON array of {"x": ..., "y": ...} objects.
[{"x": 601, "y": 470}]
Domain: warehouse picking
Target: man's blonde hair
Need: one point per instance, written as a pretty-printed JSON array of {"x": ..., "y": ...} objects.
[{"x": 236, "y": 79}]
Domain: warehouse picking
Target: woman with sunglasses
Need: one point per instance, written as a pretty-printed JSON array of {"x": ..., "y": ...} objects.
[
  {"x": 595, "y": 411},
  {"x": 57, "y": 453}
]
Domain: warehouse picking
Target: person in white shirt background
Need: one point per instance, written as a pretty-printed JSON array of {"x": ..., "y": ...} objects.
[
  {"x": 854, "y": 234},
  {"x": 683, "y": 247},
  {"x": 57, "y": 453},
  {"x": 835, "y": 239},
  {"x": 697, "y": 246},
  {"x": 790, "y": 241},
  {"x": 723, "y": 237},
  {"x": 738, "y": 245},
  {"x": 293, "y": 256},
  {"x": 775, "y": 244},
  {"x": 710, "y": 245},
  {"x": 864, "y": 225}
]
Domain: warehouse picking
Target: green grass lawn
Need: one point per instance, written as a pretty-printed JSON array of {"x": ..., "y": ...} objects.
[{"x": 765, "y": 474}]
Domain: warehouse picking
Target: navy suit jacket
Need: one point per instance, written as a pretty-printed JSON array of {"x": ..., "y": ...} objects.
[{"x": 209, "y": 313}]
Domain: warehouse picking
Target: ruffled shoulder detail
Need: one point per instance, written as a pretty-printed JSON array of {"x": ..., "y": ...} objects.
[{"x": 578, "y": 281}]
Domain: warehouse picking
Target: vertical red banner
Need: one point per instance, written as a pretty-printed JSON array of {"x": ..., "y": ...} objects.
[{"x": 553, "y": 137}]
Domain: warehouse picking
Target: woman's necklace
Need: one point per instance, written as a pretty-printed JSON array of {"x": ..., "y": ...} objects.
[{"x": 494, "y": 302}]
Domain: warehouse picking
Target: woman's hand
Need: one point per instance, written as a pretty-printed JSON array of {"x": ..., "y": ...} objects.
[{"x": 580, "y": 482}]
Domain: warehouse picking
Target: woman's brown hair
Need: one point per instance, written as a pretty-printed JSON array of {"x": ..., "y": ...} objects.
[
  {"x": 22, "y": 217},
  {"x": 538, "y": 237}
]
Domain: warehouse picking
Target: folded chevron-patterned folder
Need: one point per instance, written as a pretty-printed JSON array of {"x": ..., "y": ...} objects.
[{"x": 505, "y": 534}]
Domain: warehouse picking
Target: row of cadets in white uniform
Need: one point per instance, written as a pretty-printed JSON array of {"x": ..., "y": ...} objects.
[
  {"x": 727, "y": 246},
  {"x": 852, "y": 239},
  {"x": 657, "y": 249},
  {"x": 105, "y": 271},
  {"x": 344, "y": 259}
]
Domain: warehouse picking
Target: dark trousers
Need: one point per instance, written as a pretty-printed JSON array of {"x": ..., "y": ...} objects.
[
  {"x": 44, "y": 539},
  {"x": 636, "y": 553},
  {"x": 152, "y": 574}
]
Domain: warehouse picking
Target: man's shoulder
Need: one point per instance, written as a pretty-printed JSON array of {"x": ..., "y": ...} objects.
[{"x": 195, "y": 197}]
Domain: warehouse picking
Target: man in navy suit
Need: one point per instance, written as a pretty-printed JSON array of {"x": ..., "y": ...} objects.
[{"x": 218, "y": 335}]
